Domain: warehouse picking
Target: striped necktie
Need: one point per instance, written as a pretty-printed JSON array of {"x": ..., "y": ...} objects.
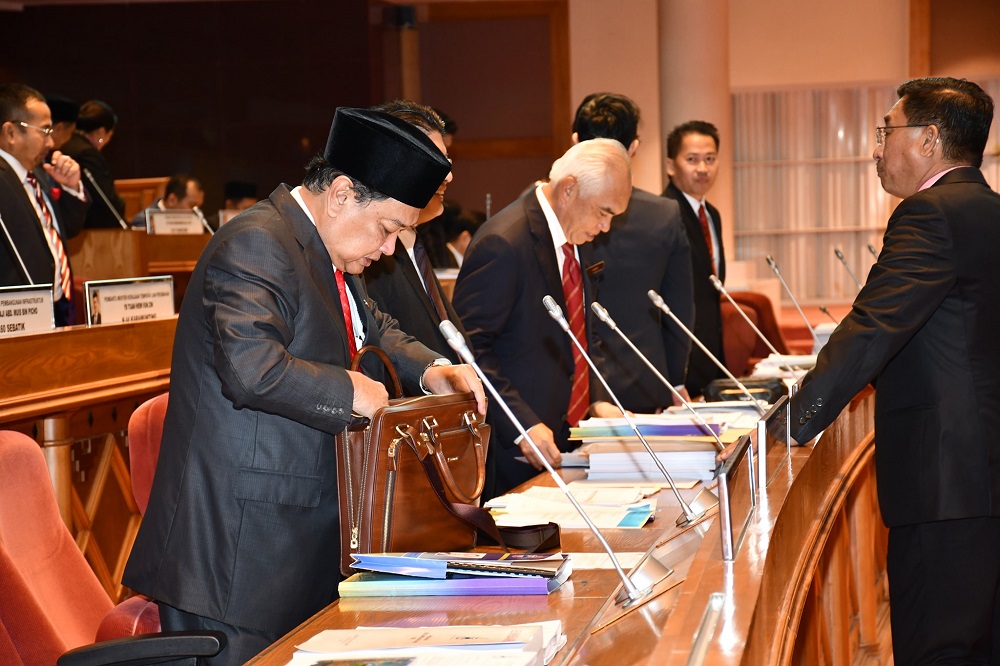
[
  {"x": 572, "y": 283},
  {"x": 55, "y": 242}
]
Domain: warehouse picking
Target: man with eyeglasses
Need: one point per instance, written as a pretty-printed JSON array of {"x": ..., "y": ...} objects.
[
  {"x": 693, "y": 164},
  {"x": 41, "y": 205},
  {"x": 923, "y": 331}
]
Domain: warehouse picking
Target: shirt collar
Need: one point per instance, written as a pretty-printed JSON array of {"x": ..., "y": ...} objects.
[
  {"x": 558, "y": 235},
  {"x": 15, "y": 164},
  {"x": 936, "y": 177}
]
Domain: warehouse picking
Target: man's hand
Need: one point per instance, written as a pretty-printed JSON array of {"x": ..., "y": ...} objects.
[
  {"x": 605, "y": 410},
  {"x": 456, "y": 379},
  {"x": 369, "y": 395},
  {"x": 541, "y": 435},
  {"x": 64, "y": 170},
  {"x": 684, "y": 394}
]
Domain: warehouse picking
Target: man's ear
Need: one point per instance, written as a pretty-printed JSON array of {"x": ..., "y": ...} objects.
[
  {"x": 338, "y": 194},
  {"x": 567, "y": 189},
  {"x": 633, "y": 147},
  {"x": 931, "y": 140},
  {"x": 576, "y": 138}
]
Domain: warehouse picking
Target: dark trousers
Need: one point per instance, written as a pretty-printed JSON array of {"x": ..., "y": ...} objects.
[
  {"x": 242, "y": 644},
  {"x": 943, "y": 583}
]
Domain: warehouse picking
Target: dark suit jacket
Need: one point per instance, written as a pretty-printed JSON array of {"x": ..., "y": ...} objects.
[
  {"x": 923, "y": 329},
  {"x": 243, "y": 524},
  {"x": 99, "y": 216},
  {"x": 708, "y": 317},
  {"x": 26, "y": 230},
  {"x": 396, "y": 288},
  {"x": 509, "y": 267},
  {"x": 647, "y": 248}
]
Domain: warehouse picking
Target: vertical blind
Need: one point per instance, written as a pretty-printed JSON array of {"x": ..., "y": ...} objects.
[{"x": 805, "y": 184}]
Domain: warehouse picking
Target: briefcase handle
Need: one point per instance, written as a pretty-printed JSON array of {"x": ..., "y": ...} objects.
[
  {"x": 429, "y": 435},
  {"x": 397, "y": 388}
]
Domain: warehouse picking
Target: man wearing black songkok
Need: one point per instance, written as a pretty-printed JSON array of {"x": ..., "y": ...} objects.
[{"x": 242, "y": 531}]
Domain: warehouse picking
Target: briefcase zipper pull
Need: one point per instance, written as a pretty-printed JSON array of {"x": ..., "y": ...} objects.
[{"x": 354, "y": 538}]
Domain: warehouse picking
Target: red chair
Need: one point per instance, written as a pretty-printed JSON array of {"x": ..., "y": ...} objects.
[
  {"x": 145, "y": 429},
  {"x": 50, "y": 599},
  {"x": 742, "y": 348}
]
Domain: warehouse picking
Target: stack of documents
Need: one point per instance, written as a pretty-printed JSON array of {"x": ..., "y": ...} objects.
[
  {"x": 455, "y": 574},
  {"x": 532, "y": 644},
  {"x": 606, "y": 507},
  {"x": 778, "y": 365},
  {"x": 652, "y": 426},
  {"x": 628, "y": 460}
]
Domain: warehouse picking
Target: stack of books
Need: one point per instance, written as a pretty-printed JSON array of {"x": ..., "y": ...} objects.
[{"x": 455, "y": 574}]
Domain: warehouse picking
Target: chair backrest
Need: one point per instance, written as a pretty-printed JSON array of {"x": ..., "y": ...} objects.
[
  {"x": 50, "y": 599},
  {"x": 145, "y": 429}
]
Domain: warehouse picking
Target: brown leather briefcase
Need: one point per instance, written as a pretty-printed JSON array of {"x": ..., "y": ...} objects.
[{"x": 410, "y": 477}]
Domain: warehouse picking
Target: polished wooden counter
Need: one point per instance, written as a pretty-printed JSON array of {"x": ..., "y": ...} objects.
[{"x": 806, "y": 586}]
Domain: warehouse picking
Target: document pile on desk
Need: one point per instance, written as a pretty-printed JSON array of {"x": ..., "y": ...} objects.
[
  {"x": 532, "y": 644},
  {"x": 778, "y": 365},
  {"x": 607, "y": 507},
  {"x": 455, "y": 574}
]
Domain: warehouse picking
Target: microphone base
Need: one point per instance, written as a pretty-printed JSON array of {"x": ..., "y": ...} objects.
[
  {"x": 704, "y": 502},
  {"x": 645, "y": 577}
]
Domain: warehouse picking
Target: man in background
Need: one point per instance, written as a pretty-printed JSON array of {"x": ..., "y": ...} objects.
[
  {"x": 646, "y": 248},
  {"x": 539, "y": 246},
  {"x": 64, "y": 114},
  {"x": 183, "y": 192},
  {"x": 693, "y": 164},
  {"x": 41, "y": 204},
  {"x": 923, "y": 331}
]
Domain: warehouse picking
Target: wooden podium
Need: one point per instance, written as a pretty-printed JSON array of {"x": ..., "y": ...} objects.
[{"x": 105, "y": 254}]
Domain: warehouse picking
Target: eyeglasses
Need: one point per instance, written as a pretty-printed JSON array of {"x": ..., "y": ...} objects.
[
  {"x": 880, "y": 131},
  {"x": 46, "y": 131}
]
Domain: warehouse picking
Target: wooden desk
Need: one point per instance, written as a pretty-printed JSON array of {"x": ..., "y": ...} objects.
[
  {"x": 105, "y": 254},
  {"x": 807, "y": 585}
]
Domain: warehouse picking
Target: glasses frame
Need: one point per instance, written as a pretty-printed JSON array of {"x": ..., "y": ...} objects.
[
  {"x": 880, "y": 130},
  {"x": 46, "y": 131}
]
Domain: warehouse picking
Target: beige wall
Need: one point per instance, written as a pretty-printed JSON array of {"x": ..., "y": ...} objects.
[
  {"x": 777, "y": 43},
  {"x": 613, "y": 48}
]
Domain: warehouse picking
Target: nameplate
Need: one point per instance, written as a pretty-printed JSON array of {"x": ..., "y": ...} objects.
[
  {"x": 226, "y": 214},
  {"x": 26, "y": 309},
  {"x": 170, "y": 222},
  {"x": 129, "y": 299}
]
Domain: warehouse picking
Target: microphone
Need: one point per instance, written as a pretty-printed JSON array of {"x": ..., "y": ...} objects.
[
  {"x": 104, "y": 197},
  {"x": 717, "y": 283},
  {"x": 871, "y": 248},
  {"x": 840, "y": 255},
  {"x": 204, "y": 222},
  {"x": 16, "y": 253},
  {"x": 457, "y": 342},
  {"x": 823, "y": 309},
  {"x": 658, "y": 302},
  {"x": 688, "y": 516},
  {"x": 774, "y": 267}
]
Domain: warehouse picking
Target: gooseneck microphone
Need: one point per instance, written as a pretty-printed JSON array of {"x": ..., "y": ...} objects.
[
  {"x": 843, "y": 260},
  {"x": 17, "y": 254},
  {"x": 777, "y": 273},
  {"x": 204, "y": 222},
  {"x": 688, "y": 516},
  {"x": 658, "y": 302},
  {"x": 457, "y": 342},
  {"x": 823, "y": 309},
  {"x": 717, "y": 283},
  {"x": 871, "y": 248},
  {"x": 104, "y": 197}
]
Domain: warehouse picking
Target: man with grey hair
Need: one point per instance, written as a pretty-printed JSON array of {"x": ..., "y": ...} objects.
[{"x": 533, "y": 248}]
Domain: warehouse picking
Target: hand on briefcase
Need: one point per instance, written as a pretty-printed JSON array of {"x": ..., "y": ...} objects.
[
  {"x": 410, "y": 477},
  {"x": 768, "y": 389}
]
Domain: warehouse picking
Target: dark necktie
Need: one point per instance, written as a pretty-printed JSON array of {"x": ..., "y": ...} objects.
[
  {"x": 55, "y": 242},
  {"x": 345, "y": 305},
  {"x": 572, "y": 282},
  {"x": 427, "y": 273},
  {"x": 703, "y": 219}
]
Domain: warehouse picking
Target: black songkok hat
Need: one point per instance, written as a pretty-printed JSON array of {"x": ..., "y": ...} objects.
[
  {"x": 63, "y": 110},
  {"x": 386, "y": 154}
]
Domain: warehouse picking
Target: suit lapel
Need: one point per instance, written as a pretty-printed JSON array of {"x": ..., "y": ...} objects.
[
  {"x": 318, "y": 260},
  {"x": 413, "y": 280},
  {"x": 24, "y": 227}
]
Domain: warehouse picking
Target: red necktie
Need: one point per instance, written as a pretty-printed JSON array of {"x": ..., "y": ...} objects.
[
  {"x": 55, "y": 242},
  {"x": 345, "y": 305},
  {"x": 703, "y": 219},
  {"x": 579, "y": 398}
]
